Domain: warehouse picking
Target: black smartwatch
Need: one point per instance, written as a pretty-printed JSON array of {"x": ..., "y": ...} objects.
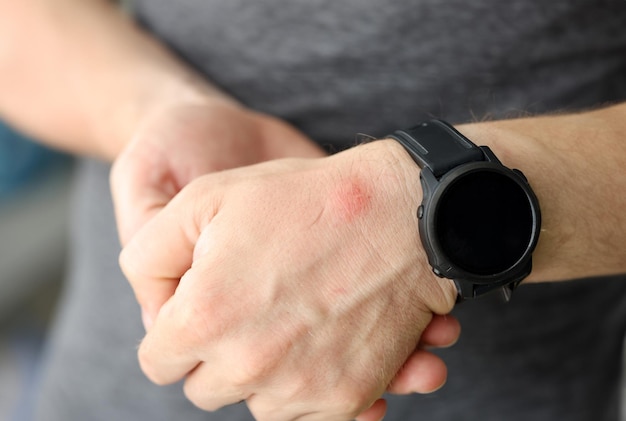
[{"x": 479, "y": 221}]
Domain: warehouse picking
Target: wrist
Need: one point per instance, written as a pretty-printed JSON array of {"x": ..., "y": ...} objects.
[
  {"x": 522, "y": 151},
  {"x": 152, "y": 98},
  {"x": 127, "y": 77},
  {"x": 394, "y": 180},
  {"x": 478, "y": 220},
  {"x": 575, "y": 184}
]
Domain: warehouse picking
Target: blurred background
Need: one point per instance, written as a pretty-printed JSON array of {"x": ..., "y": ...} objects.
[{"x": 34, "y": 204}]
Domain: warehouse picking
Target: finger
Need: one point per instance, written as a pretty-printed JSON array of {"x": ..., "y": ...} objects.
[
  {"x": 376, "y": 412},
  {"x": 208, "y": 389},
  {"x": 189, "y": 338},
  {"x": 153, "y": 286},
  {"x": 137, "y": 199},
  {"x": 161, "y": 291},
  {"x": 161, "y": 357},
  {"x": 162, "y": 251},
  {"x": 190, "y": 329},
  {"x": 263, "y": 408},
  {"x": 423, "y": 372},
  {"x": 140, "y": 188},
  {"x": 441, "y": 332}
]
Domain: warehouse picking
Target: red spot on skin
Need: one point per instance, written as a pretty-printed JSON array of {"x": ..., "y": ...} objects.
[
  {"x": 339, "y": 291},
  {"x": 350, "y": 199}
]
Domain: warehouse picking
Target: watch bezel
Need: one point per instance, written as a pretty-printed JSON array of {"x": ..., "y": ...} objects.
[{"x": 443, "y": 265}]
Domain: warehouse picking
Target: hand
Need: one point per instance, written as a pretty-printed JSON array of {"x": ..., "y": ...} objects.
[
  {"x": 308, "y": 290},
  {"x": 182, "y": 141}
]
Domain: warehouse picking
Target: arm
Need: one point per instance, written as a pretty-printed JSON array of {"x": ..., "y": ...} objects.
[
  {"x": 80, "y": 75},
  {"x": 576, "y": 164},
  {"x": 357, "y": 289}
]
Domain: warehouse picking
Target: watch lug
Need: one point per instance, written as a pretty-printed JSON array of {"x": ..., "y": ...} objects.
[
  {"x": 429, "y": 182},
  {"x": 521, "y": 174},
  {"x": 469, "y": 290},
  {"x": 491, "y": 157}
]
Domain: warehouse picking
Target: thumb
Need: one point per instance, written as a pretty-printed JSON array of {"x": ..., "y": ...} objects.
[
  {"x": 140, "y": 188},
  {"x": 161, "y": 251}
]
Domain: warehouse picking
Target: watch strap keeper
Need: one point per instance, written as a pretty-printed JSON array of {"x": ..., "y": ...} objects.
[{"x": 438, "y": 146}]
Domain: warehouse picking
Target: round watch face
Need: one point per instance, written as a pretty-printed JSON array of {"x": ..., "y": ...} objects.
[{"x": 484, "y": 222}]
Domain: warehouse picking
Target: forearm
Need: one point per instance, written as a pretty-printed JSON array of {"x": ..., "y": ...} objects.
[
  {"x": 78, "y": 74},
  {"x": 576, "y": 164}
]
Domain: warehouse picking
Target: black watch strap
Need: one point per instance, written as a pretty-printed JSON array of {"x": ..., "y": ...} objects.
[
  {"x": 438, "y": 146},
  {"x": 469, "y": 290}
]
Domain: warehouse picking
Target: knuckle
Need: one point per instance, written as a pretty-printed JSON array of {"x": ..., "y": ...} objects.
[
  {"x": 264, "y": 415},
  {"x": 348, "y": 401},
  {"x": 264, "y": 409},
  {"x": 148, "y": 366},
  {"x": 262, "y": 358},
  {"x": 253, "y": 367},
  {"x": 193, "y": 323},
  {"x": 199, "y": 397},
  {"x": 131, "y": 261},
  {"x": 116, "y": 171},
  {"x": 126, "y": 261}
]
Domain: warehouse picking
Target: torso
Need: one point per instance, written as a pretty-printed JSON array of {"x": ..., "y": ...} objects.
[{"x": 338, "y": 68}]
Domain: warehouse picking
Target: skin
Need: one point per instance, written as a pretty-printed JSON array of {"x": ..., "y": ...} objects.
[
  {"x": 363, "y": 315},
  {"x": 343, "y": 315},
  {"x": 163, "y": 127}
]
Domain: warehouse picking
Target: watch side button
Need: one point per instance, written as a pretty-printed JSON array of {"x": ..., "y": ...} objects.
[
  {"x": 438, "y": 273},
  {"x": 420, "y": 212}
]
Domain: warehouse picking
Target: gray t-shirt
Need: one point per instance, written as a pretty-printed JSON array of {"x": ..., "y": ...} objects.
[{"x": 335, "y": 68}]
